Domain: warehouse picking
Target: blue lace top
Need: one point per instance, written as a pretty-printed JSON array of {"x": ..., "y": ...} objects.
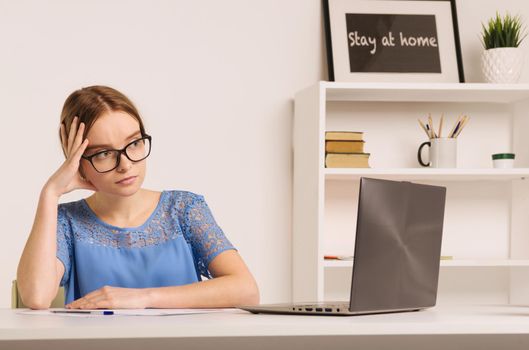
[{"x": 173, "y": 247}]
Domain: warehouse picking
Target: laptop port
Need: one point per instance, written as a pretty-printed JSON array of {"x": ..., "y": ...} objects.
[
  {"x": 337, "y": 310},
  {"x": 308, "y": 309},
  {"x": 319, "y": 309},
  {"x": 328, "y": 309}
]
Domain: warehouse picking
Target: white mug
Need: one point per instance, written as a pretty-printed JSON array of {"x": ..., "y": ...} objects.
[{"x": 443, "y": 152}]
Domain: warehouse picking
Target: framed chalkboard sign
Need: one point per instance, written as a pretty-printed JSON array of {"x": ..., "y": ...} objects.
[{"x": 393, "y": 41}]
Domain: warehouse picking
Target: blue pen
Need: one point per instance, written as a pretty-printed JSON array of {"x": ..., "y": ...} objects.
[
  {"x": 455, "y": 130},
  {"x": 90, "y": 312}
]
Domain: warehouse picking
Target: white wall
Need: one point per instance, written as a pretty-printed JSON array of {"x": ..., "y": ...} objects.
[{"x": 214, "y": 81}]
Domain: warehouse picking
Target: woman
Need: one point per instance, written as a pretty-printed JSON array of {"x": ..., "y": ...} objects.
[{"x": 124, "y": 246}]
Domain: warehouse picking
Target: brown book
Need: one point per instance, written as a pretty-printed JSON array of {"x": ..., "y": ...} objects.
[
  {"x": 344, "y": 136},
  {"x": 344, "y": 146},
  {"x": 347, "y": 160}
]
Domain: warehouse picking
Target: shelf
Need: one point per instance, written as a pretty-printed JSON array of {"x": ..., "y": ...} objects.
[
  {"x": 428, "y": 174},
  {"x": 448, "y": 263},
  {"x": 426, "y": 92},
  {"x": 337, "y": 263},
  {"x": 485, "y": 263}
]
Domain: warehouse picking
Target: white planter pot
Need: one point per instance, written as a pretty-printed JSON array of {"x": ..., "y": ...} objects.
[{"x": 502, "y": 65}]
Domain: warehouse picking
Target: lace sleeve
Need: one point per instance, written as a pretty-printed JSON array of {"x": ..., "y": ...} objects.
[
  {"x": 64, "y": 243},
  {"x": 200, "y": 229}
]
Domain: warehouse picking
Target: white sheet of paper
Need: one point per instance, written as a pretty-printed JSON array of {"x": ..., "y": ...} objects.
[{"x": 128, "y": 312}]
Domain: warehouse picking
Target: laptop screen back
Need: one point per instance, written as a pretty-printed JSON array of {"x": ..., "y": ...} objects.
[{"x": 398, "y": 245}]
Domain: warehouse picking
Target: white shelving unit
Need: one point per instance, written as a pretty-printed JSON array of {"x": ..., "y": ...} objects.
[{"x": 486, "y": 227}]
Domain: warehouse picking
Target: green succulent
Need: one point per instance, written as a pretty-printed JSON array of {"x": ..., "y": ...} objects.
[{"x": 503, "y": 32}]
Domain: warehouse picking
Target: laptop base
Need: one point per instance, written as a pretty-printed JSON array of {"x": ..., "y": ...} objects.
[{"x": 321, "y": 309}]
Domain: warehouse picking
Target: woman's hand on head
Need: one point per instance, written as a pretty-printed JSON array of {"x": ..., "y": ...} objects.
[{"x": 68, "y": 178}]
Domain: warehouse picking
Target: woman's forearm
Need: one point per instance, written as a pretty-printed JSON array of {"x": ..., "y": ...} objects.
[
  {"x": 224, "y": 291},
  {"x": 37, "y": 275}
]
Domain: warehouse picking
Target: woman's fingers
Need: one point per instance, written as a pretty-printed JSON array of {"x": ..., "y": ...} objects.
[
  {"x": 100, "y": 304},
  {"x": 72, "y": 134},
  {"x": 73, "y": 163},
  {"x": 94, "y": 299},
  {"x": 67, "y": 178},
  {"x": 78, "y": 153},
  {"x": 94, "y": 302},
  {"x": 90, "y": 298},
  {"x": 63, "y": 138},
  {"x": 78, "y": 137},
  {"x": 74, "y": 159}
]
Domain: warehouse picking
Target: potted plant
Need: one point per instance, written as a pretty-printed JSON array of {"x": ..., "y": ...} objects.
[{"x": 502, "y": 60}]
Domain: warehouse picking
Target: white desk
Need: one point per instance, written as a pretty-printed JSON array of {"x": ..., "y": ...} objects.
[{"x": 468, "y": 327}]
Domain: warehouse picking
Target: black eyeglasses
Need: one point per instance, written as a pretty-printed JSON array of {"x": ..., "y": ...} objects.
[{"x": 108, "y": 160}]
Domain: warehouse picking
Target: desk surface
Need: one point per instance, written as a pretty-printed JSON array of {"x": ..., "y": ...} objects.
[{"x": 441, "y": 320}]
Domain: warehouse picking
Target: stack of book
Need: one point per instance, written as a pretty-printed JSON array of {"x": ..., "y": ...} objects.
[{"x": 345, "y": 149}]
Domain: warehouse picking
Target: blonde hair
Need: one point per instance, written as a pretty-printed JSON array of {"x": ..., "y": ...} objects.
[{"x": 91, "y": 102}]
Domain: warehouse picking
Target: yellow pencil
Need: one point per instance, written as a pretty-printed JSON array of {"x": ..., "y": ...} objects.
[
  {"x": 441, "y": 125},
  {"x": 424, "y": 128}
]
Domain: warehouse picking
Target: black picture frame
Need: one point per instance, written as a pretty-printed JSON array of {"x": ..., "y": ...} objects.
[{"x": 394, "y": 63}]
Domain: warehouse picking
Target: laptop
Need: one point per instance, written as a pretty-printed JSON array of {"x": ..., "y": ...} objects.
[{"x": 396, "y": 255}]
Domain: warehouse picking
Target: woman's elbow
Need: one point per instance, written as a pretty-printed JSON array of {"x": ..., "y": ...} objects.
[
  {"x": 254, "y": 298},
  {"x": 35, "y": 298},
  {"x": 36, "y": 303},
  {"x": 251, "y": 295}
]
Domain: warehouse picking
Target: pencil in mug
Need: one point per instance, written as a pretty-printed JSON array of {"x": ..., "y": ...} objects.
[
  {"x": 430, "y": 123},
  {"x": 454, "y": 128},
  {"x": 424, "y": 128},
  {"x": 430, "y": 135},
  {"x": 463, "y": 124}
]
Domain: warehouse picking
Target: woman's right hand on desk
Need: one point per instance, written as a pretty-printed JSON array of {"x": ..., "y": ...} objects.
[{"x": 68, "y": 178}]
